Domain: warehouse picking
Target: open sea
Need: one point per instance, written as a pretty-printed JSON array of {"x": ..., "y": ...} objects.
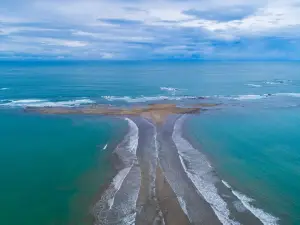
[{"x": 52, "y": 167}]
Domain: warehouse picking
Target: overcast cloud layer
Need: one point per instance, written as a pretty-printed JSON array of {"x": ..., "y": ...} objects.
[{"x": 156, "y": 29}]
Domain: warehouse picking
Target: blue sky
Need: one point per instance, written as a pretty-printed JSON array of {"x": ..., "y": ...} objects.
[{"x": 156, "y": 29}]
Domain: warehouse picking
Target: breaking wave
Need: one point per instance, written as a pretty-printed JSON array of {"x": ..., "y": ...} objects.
[
  {"x": 254, "y": 85},
  {"x": 264, "y": 217},
  {"x": 257, "y": 97},
  {"x": 248, "y": 97},
  {"x": 147, "y": 98},
  {"x": 170, "y": 90},
  {"x": 118, "y": 203},
  {"x": 4, "y": 89},
  {"x": 45, "y": 103},
  {"x": 199, "y": 172},
  {"x": 295, "y": 95}
]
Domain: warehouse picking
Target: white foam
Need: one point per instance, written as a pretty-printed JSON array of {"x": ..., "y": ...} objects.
[
  {"x": 45, "y": 103},
  {"x": 271, "y": 83},
  {"x": 265, "y": 218},
  {"x": 198, "y": 171},
  {"x": 170, "y": 90},
  {"x": 278, "y": 82},
  {"x": 182, "y": 204},
  {"x": 107, "y": 205},
  {"x": 105, "y": 147},
  {"x": 254, "y": 85},
  {"x": 116, "y": 185},
  {"x": 248, "y": 97},
  {"x": 226, "y": 184},
  {"x": 147, "y": 98},
  {"x": 133, "y": 136},
  {"x": 4, "y": 89},
  {"x": 295, "y": 95}
]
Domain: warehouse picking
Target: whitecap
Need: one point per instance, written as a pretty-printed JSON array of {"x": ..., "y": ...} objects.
[
  {"x": 105, "y": 147},
  {"x": 171, "y": 90},
  {"x": 147, "y": 98},
  {"x": 271, "y": 83},
  {"x": 249, "y": 97},
  {"x": 46, "y": 103},
  {"x": 295, "y": 95},
  {"x": 254, "y": 85},
  {"x": 241, "y": 97}
]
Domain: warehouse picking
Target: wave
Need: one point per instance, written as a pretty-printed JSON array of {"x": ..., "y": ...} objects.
[
  {"x": 264, "y": 217},
  {"x": 121, "y": 196},
  {"x": 148, "y": 98},
  {"x": 105, "y": 147},
  {"x": 171, "y": 90},
  {"x": 240, "y": 97},
  {"x": 254, "y": 85},
  {"x": 4, "y": 89},
  {"x": 295, "y": 95},
  {"x": 277, "y": 82},
  {"x": 199, "y": 172},
  {"x": 45, "y": 103},
  {"x": 248, "y": 97},
  {"x": 257, "y": 97}
]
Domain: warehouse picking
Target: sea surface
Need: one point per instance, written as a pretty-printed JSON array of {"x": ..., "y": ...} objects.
[{"x": 52, "y": 167}]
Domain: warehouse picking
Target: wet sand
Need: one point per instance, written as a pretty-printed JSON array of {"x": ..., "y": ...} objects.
[{"x": 168, "y": 201}]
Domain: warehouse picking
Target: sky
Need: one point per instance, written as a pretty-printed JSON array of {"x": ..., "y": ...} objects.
[{"x": 152, "y": 29}]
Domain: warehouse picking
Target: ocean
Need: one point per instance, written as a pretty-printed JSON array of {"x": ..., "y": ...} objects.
[{"x": 52, "y": 167}]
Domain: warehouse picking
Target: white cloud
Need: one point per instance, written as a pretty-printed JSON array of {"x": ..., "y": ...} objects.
[{"x": 115, "y": 28}]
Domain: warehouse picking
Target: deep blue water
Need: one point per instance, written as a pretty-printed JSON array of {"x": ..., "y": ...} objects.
[{"x": 253, "y": 140}]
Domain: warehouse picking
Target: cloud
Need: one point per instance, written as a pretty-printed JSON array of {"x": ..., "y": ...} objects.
[
  {"x": 158, "y": 29},
  {"x": 222, "y": 14}
]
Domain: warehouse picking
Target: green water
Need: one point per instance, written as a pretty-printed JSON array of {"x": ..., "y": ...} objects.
[{"x": 51, "y": 168}]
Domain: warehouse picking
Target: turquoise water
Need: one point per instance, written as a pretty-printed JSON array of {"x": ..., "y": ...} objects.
[
  {"x": 257, "y": 152},
  {"x": 52, "y": 166}
]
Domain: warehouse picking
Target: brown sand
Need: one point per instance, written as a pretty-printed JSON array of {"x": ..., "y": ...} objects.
[
  {"x": 168, "y": 202},
  {"x": 156, "y": 112}
]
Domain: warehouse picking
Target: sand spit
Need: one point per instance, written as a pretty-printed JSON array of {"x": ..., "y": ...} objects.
[
  {"x": 141, "y": 192},
  {"x": 155, "y": 112}
]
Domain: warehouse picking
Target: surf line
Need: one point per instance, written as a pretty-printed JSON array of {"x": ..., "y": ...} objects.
[
  {"x": 264, "y": 217},
  {"x": 105, "y": 208},
  {"x": 205, "y": 188}
]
